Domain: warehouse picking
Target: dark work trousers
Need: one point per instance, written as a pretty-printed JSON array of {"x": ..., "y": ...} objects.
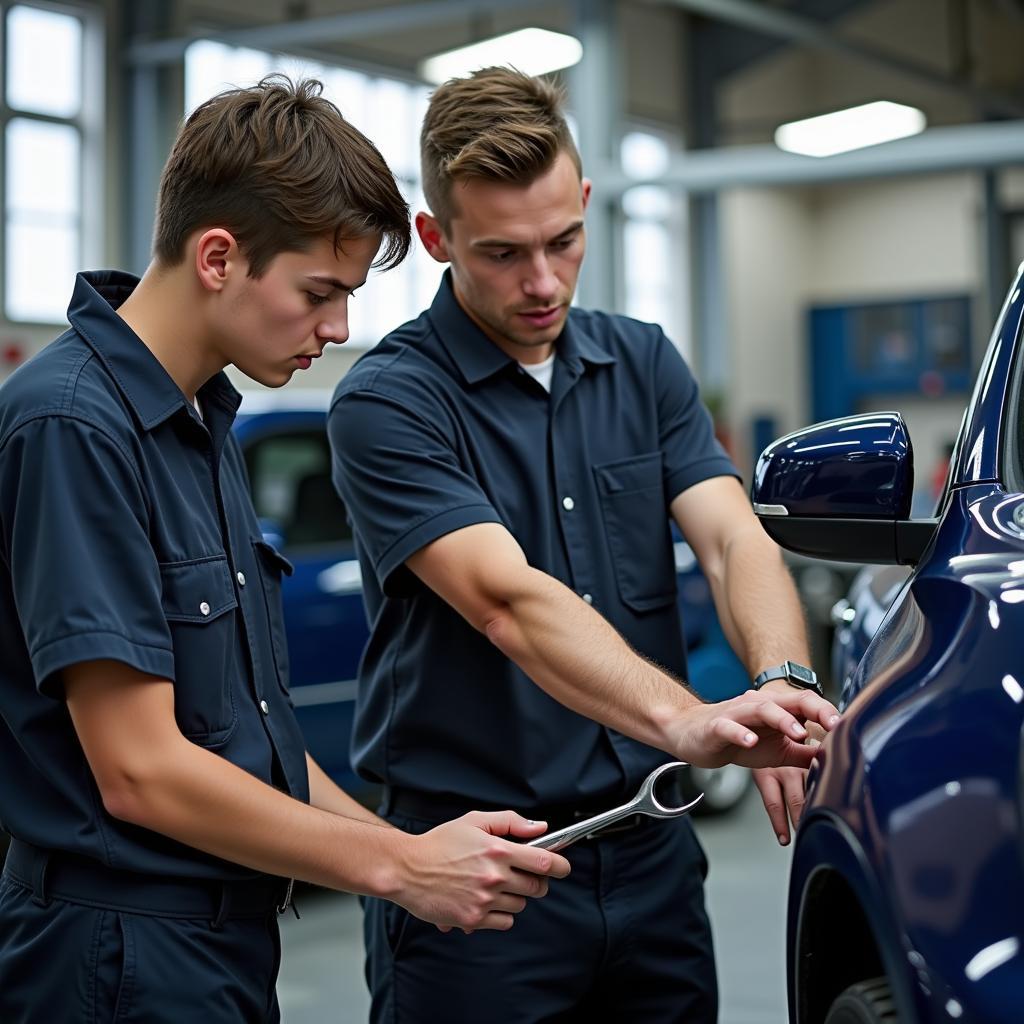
[
  {"x": 66, "y": 963},
  {"x": 624, "y": 938}
]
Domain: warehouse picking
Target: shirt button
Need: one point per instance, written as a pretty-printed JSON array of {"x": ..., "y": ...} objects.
[
  {"x": 204, "y": 608},
  {"x": 264, "y": 707},
  {"x": 240, "y": 576},
  {"x": 588, "y": 598},
  {"x": 568, "y": 504}
]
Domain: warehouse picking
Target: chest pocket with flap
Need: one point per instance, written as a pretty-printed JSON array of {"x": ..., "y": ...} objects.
[
  {"x": 635, "y": 512},
  {"x": 197, "y": 599}
]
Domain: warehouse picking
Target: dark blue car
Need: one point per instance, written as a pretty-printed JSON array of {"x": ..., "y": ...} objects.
[
  {"x": 284, "y": 440},
  {"x": 906, "y": 897}
]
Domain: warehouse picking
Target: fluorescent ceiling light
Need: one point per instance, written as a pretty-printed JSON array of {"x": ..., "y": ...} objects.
[
  {"x": 866, "y": 125},
  {"x": 533, "y": 50}
]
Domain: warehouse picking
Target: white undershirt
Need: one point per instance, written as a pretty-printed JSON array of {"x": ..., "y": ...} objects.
[{"x": 541, "y": 372}]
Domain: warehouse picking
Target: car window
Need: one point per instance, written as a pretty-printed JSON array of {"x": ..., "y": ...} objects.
[{"x": 290, "y": 476}]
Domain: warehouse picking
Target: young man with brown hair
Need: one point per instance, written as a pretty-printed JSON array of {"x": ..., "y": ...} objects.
[
  {"x": 511, "y": 465},
  {"x": 156, "y": 784}
]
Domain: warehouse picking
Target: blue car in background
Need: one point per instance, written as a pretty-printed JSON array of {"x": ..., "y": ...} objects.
[
  {"x": 284, "y": 441},
  {"x": 906, "y": 899}
]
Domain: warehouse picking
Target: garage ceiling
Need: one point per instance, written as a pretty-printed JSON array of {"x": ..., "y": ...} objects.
[{"x": 754, "y": 63}]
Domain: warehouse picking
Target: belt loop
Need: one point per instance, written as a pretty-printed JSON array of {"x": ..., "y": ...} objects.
[
  {"x": 40, "y": 864},
  {"x": 387, "y": 801},
  {"x": 223, "y": 907}
]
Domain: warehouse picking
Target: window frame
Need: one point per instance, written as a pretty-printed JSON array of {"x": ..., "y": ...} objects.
[{"x": 88, "y": 124}]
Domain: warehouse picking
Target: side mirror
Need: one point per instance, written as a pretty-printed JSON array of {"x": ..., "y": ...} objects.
[{"x": 842, "y": 490}]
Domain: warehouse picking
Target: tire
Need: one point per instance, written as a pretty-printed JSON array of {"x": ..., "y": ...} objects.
[
  {"x": 723, "y": 788},
  {"x": 867, "y": 1002}
]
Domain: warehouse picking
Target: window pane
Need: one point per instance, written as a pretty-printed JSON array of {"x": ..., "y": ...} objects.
[
  {"x": 44, "y": 62},
  {"x": 43, "y": 166},
  {"x": 391, "y": 126},
  {"x": 40, "y": 272},
  {"x": 647, "y": 256},
  {"x": 647, "y": 202},
  {"x": 644, "y": 155},
  {"x": 347, "y": 90},
  {"x": 290, "y": 476},
  {"x": 210, "y": 68}
]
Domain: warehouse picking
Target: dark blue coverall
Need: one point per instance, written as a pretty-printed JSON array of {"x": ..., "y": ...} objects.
[{"x": 127, "y": 533}]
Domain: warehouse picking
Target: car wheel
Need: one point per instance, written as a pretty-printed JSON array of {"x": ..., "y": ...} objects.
[
  {"x": 867, "y": 1002},
  {"x": 723, "y": 788}
]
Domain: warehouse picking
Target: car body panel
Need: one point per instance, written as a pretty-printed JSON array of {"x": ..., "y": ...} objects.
[{"x": 912, "y": 834}]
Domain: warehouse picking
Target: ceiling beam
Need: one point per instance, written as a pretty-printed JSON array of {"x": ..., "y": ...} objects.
[
  {"x": 956, "y": 148},
  {"x": 341, "y": 27},
  {"x": 796, "y": 28}
]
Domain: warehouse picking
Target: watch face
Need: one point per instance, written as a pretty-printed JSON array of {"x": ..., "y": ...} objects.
[{"x": 802, "y": 674}]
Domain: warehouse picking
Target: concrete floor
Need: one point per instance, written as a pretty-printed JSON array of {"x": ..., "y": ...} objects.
[{"x": 321, "y": 980}]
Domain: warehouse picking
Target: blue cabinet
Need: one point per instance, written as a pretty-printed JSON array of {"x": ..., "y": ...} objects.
[{"x": 917, "y": 347}]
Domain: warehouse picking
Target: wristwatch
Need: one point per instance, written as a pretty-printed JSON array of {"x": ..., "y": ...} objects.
[{"x": 796, "y": 675}]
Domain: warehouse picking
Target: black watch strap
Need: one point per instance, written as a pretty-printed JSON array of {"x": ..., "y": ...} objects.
[{"x": 794, "y": 673}]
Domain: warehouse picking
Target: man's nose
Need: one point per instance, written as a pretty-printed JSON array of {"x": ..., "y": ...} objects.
[
  {"x": 333, "y": 328},
  {"x": 541, "y": 282}
]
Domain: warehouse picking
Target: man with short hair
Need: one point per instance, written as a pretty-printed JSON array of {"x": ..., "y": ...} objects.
[
  {"x": 510, "y": 466},
  {"x": 155, "y": 782}
]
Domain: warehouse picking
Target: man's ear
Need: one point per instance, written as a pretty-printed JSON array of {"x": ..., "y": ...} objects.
[
  {"x": 432, "y": 236},
  {"x": 585, "y": 183},
  {"x": 217, "y": 258}
]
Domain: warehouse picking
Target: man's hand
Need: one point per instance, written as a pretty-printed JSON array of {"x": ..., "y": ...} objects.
[
  {"x": 782, "y": 790},
  {"x": 462, "y": 875},
  {"x": 755, "y": 729}
]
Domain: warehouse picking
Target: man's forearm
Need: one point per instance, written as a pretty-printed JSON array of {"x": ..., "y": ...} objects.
[
  {"x": 206, "y": 802},
  {"x": 576, "y": 657},
  {"x": 757, "y": 603},
  {"x": 329, "y": 796},
  {"x": 570, "y": 651}
]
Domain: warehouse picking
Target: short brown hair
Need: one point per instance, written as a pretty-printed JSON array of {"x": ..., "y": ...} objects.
[
  {"x": 279, "y": 167},
  {"x": 498, "y": 124}
]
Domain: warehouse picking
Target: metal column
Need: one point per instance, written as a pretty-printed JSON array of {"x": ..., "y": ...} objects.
[
  {"x": 153, "y": 100},
  {"x": 707, "y": 282},
  {"x": 595, "y": 97}
]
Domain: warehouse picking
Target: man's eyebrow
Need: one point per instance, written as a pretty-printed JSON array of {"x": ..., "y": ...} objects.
[
  {"x": 501, "y": 243},
  {"x": 333, "y": 282}
]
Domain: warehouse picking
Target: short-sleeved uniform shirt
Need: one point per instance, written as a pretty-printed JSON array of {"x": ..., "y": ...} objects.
[
  {"x": 437, "y": 429},
  {"x": 127, "y": 533}
]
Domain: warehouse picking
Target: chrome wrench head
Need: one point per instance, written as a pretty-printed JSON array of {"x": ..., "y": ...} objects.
[{"x": 645, "y": 802}]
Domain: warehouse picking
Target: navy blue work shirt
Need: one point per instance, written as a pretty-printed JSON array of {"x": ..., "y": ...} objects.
[
  {"x": 436, "y": 429},
  {"x": 127, "y": 533}
]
